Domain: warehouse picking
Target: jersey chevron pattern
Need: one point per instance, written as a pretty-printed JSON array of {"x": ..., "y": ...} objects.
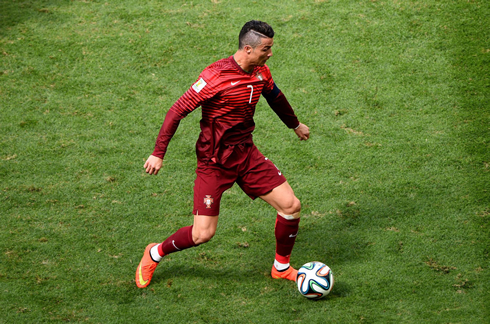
[{"x": 228, "y": 96}]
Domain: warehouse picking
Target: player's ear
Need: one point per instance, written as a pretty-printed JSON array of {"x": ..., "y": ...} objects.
[{"x": 247, "y": 49}]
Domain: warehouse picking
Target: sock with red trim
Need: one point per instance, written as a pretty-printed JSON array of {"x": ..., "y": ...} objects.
[
  {"x": 285, "y": 232},
  {"x": 180, "y": 240}
]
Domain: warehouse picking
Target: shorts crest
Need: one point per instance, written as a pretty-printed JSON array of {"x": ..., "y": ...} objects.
[{"x": 208, "y": 200}]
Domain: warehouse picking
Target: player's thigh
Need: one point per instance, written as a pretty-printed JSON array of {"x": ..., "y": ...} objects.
[
  {"x": 260, "y": 175},
  {"x": 211, "y": 181},
  {"x": 283, "y": 199}
]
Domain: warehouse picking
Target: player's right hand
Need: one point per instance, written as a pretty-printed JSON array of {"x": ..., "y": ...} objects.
[
  {"x": 302, "y": 131},
  {"x": 153, "y": 165}
]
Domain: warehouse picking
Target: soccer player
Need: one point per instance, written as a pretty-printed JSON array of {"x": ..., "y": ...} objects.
[{"x": 228, "y": 91}]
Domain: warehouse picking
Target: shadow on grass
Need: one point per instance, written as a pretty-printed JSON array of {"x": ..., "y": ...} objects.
[
  {"x": 13, "y": 13},
  {"x": 332, "y": 238},
  {"x": 166, "y": 277}
]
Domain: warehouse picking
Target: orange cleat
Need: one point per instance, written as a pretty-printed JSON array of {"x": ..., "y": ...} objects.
[
  {"x": 289, "y": 274},
  {"x": 146, "y": 268}
]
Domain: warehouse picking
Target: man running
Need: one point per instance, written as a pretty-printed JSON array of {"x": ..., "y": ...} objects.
[{"x": 228, "y": 91}]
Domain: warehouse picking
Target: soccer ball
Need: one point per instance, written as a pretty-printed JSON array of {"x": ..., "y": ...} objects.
[{"x": 314, "y": 280}]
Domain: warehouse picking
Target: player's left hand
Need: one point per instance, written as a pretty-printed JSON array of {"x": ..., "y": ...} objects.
[{"x": 303, "y": 132}]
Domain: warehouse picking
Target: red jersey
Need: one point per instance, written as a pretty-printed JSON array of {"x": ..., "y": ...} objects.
[{"x": 228, "y": 96}]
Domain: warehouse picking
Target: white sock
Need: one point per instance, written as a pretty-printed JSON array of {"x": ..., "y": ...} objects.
[
  {"x": 154, "y": 253},
  {"x": 280, "y": 266}
]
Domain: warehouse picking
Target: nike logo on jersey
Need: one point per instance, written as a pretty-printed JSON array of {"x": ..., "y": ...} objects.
[
  {"x": 233, "y": 83},
  {"x": 291, "y": 235}
]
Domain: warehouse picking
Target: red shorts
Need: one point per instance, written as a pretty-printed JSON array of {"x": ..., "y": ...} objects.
[{"x": 253, "y": 172}]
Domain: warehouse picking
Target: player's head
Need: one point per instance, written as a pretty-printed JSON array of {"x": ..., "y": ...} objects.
[
  {"x": 253, "y": 32},
  {"x": 255, "y": 43}
]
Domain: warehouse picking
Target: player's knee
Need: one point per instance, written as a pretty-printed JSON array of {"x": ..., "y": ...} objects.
[
  {"x": 291, "y": 209},
  {"x": 202, "y": 236},
  {"x": 295, "y": 206}
]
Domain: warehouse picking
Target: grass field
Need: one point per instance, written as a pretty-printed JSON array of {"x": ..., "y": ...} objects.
[{"x": 394, "y": 181}]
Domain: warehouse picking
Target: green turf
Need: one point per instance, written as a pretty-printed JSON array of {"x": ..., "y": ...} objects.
[{"x": 394, "y": 181}]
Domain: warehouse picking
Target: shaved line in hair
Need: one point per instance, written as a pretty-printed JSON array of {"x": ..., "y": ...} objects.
[{"x": 252, "y": 38}]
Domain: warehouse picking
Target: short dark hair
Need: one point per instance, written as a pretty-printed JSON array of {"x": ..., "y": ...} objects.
[{"x": 252, "y": 32}]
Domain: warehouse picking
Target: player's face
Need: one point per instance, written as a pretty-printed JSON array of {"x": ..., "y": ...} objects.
[{"x": 262, "y": 52}]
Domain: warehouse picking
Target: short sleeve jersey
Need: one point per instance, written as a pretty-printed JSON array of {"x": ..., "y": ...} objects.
[{"x": 228, "y": 96}]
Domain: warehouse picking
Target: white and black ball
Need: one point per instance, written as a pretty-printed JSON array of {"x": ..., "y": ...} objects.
[{"x": 314, "y": 280}]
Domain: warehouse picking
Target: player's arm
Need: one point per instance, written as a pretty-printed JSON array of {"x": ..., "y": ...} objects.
[
  {"x": 200, "y": 91},
  {"x": 172, "y": 120},
  {"x": 278, "y": 102}
]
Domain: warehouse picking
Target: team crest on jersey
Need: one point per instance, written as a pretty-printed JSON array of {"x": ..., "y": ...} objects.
[
  {"x": 259, "y": 76},
  {"x": 208, "y": 200},
  {"x": 199, "y": 85}
]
